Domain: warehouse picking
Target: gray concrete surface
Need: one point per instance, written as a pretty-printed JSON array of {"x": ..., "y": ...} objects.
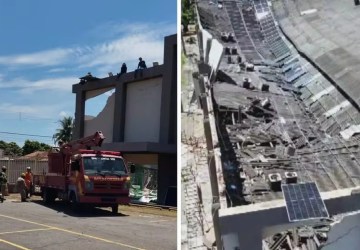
[
  {"x": 328, "y": 37},
  {"x": 32, "y": 225}
]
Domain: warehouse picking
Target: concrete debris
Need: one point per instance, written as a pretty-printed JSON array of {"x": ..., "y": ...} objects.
[
  {"x": 350, "y": 131},
  {"x": 300, "y": 238},
  {"x": 227, "y": 37},
  {"x": 247, "y": 66},
  {"x": 279, "y": 119}
]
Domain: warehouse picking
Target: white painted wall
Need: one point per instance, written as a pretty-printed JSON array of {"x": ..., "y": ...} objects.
[
  {"x": 104, "y": 121},
  {"x": 215, "y": 54},
  {"x": 206, "y": 36},
  {"x": 216, "y": 48},
  {"x": 143, "y": 106}
]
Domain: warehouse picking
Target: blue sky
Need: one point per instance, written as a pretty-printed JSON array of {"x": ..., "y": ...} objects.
[{"x": 47, "y": 45}]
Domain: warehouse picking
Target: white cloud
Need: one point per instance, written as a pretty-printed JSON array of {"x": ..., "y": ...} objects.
[
  {"x": 40, "y": 111},
  {"x": 113, "y": 30},
  {"x": 41, "y": 58},
  {"x": 63, "y": 114},
  {"x": 55, "y": 70},
  {"x": 131, "y": 42},
  {"x": 28, "y": 86},
  {"x": 127, "y": 43},
  {"x": 139, "y": 39},
  {"x": 114, "y": 53}
]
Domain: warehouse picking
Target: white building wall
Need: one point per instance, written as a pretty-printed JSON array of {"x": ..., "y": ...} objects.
[
  {"x": 142, "y": 116},
  {"x": 215, "y": 54},
  {"x": 104, "y": 121},
  {"x": 206, "y": 36}
]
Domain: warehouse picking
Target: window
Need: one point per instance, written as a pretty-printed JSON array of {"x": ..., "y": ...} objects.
[{"x": 104, "y": 165}]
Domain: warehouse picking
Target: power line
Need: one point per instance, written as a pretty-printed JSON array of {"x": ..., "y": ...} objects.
[{"x": 12, "y": 133}]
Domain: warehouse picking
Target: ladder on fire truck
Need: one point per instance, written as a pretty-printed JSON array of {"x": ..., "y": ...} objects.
[{"x": 94, "y": 140}]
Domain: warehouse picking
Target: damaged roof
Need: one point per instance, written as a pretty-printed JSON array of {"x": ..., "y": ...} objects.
[{"x": 284, "y": 116}]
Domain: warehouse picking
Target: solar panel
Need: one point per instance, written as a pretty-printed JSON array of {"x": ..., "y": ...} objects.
[{"x": 303, "y": 201}]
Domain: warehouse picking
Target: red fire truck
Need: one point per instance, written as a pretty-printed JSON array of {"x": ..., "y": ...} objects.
[{"x": 80, "y": 175}]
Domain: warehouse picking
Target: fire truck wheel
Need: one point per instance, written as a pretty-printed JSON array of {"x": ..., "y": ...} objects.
[
  {"x": 48, "y": 196},
  {"x": 115, "y": 209}
]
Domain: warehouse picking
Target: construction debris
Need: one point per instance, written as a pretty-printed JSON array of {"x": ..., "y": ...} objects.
[{"x": 300, "y": 238}]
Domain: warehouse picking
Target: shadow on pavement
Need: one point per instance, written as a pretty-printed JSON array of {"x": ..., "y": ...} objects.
[{"x": 84, "y": 211}]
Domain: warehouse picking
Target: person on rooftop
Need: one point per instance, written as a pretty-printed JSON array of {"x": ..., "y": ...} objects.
[
  {"x": 123, "y": 70},
  {"x": 141, "y": 64}
]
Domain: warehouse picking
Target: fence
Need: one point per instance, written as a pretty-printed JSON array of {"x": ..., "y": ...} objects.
[{"x": 16, "y": 167}]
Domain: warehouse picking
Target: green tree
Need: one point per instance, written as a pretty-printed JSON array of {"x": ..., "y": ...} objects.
[
  {"x": 64, "y": 133},
  {"x": 3, "y": 145},
  {"x": 187, "y": 14},
  {"x": 32, "y": 146},
  {"x": 10, "y": 148}
]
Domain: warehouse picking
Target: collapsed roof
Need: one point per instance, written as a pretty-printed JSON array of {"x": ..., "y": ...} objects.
[{"x": 283, "y": 116}]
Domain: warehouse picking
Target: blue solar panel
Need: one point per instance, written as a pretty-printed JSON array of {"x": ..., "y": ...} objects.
[{"x": 303, "y": 201}]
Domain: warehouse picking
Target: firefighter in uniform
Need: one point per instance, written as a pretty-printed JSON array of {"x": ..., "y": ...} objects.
[
  {"x": 3, "y": 182},
  {"x": 28, "y": 182}
]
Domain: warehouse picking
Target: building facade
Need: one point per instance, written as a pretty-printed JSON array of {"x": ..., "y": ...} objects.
[{"x": 139, "y": 118}]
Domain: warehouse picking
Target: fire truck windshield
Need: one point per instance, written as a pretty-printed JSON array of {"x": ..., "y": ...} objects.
[{"x": 104, "y": 166}]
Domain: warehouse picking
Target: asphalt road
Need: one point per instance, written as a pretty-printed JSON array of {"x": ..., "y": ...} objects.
[{"x": 31, "y": 225}]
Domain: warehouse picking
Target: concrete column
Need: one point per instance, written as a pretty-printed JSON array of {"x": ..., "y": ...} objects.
[
  {"x": 167, "y": 177},
  {"x": 207, "y": 52},
  {"x": 239, "y": 114},
  {"x": 204, "y": 69},
  {"x": 202, "y": 83},
  {"x": 78, "y": 131},
  {"x": 204, "y": 105},
  {"x": 213, "y": 176},
  {"x": 168, "y": 118},
  {"x": 195, "y": 76},
  {"x": 215, "y": 212},
  {"x": 119, "y": 112},
  {"x": 200, "y": 39},
  {"x": 254, "y": 242},
  {"x": 207, "y": 131}
]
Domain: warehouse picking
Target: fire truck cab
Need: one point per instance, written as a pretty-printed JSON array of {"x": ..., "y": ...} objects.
[{"x": 79, "y": 175}]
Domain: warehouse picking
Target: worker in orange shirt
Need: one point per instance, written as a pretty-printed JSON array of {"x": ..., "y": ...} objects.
[{"x": 28, "y": 181}]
